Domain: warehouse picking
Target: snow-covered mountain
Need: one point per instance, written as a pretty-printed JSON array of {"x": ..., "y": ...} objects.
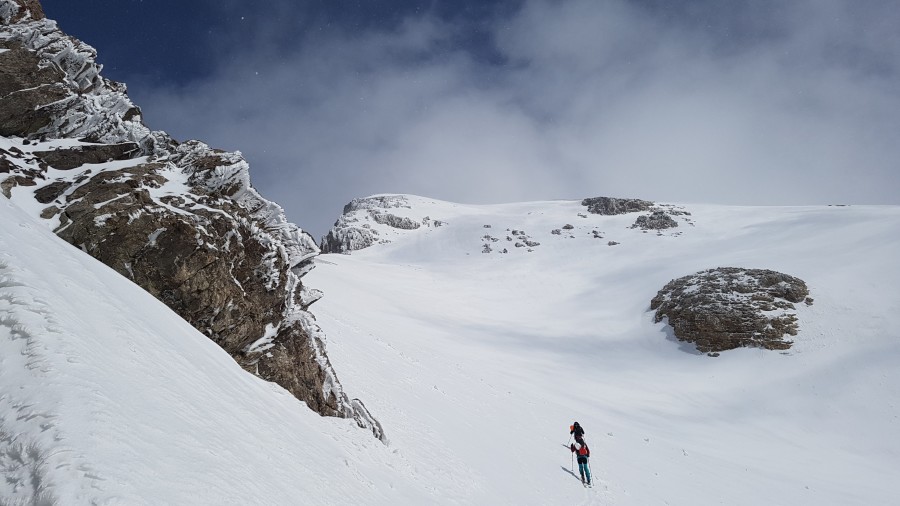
[
  {"x": 179, "y": 219},
  {"x": 475, "y": 333},
  {"x": 476, "y": 364},
  {"x": 109, "y": 397}
]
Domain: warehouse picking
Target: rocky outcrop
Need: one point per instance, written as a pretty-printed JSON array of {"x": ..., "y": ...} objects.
[
  {"x": 17, "y": 10},
  {"x": 180, "y": 220},
  {"x": 52, "y": 87},
  {"x": 395, "y": 221},
  {"x": 729, "y": 307},
  {"x": 657, "y": 220},
  {"x": 70, "y": 158},
  {"x": 611, "y": 206},
  {"x": 354, "y": 229}
]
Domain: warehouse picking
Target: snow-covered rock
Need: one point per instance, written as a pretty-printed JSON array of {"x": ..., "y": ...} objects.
[
  {"x": 728, "y": 307},
  {"x": 375, "y": 220},
  {"x": 180, "y": 219},
  {"x": 109, "y": 397},
  {"x": 383, "y": 219}
]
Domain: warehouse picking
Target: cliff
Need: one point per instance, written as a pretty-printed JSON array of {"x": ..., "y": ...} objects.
[{"x": 181, "y": 220}]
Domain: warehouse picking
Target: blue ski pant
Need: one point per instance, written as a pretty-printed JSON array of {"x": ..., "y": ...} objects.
[{"x": 584, "y": 470}]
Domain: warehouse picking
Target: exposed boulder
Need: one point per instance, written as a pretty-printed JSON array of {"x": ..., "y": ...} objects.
[
  {"x": 657, "y": 220},
  {"x": 610, "y": 206},
  {"x": 730, "y": 307}
]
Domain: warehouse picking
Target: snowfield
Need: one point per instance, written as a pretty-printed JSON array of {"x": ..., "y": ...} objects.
[
  {"x": 107, "y": 397},
  {"x": 475, "y": 364}
]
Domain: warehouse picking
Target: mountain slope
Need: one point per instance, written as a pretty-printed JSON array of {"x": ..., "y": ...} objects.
[
  {"x": 108, "y": 397},
  {"x": 179, "y": 219},
  {"x": 479, "y": 362}
]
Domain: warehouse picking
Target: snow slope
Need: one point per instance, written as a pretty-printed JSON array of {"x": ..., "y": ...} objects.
[
  {"x": 477, "y": 363},
  {"x": 108, "y": 397}
]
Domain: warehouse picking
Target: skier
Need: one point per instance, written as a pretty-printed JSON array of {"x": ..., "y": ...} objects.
[
  {"x": 577, "y": 431},
  {"x": 581, "y": 449}
]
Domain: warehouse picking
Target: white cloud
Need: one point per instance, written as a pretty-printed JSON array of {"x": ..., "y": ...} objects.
[{"x": 798, "y": 105}]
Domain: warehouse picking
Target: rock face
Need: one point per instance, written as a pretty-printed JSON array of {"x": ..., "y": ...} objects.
[
  {"x": 180, "y": 220},
  {"x": 611, "y": 206},
  {"x": 354, "y": 231},
  {"x": 729, "y": 307}
]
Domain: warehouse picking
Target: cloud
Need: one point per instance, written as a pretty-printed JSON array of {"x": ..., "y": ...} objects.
[{"x": 786, "y": 104}]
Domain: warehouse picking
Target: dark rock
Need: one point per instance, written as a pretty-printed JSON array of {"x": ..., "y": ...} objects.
[
  {"x": 6, "y": 166},
  {"x": 49, "y": 212},
  {"x": 729, "y": 307},
  {"x": 657, "y": 220},
  {"x": 610, "y": 206},
  {"x": 70, "y": 158},
  {"x": 395, "y": 221},
  {"x": 29, "y": 92},
  {"x": 49, "y": 193}
]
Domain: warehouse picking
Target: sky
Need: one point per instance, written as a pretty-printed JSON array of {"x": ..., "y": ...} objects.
[{"x": 745, "y": 103}]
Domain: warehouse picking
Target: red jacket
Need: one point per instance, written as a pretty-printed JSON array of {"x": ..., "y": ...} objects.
[{"x": 582, "y": 451}]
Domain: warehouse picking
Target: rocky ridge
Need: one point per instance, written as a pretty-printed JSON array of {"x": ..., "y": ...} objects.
[
  {"x": 729, "y": 307},
  {"x": 179, "y": 219},
  {"x": 354, "y": 229},
  {"x": 381, "y": 219}
]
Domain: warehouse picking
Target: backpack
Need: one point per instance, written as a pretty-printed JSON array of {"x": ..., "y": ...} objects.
[
  {"x": 584, "y": 451},
  {"x": 577, "y": 431}
]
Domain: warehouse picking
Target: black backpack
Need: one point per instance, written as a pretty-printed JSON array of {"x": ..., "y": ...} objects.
[{"x": 578, "y": 431}]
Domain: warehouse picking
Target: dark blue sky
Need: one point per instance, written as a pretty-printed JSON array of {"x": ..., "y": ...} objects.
[
  {"x": 737, "y": 102},
  {"x": 175, "y": 41}
]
